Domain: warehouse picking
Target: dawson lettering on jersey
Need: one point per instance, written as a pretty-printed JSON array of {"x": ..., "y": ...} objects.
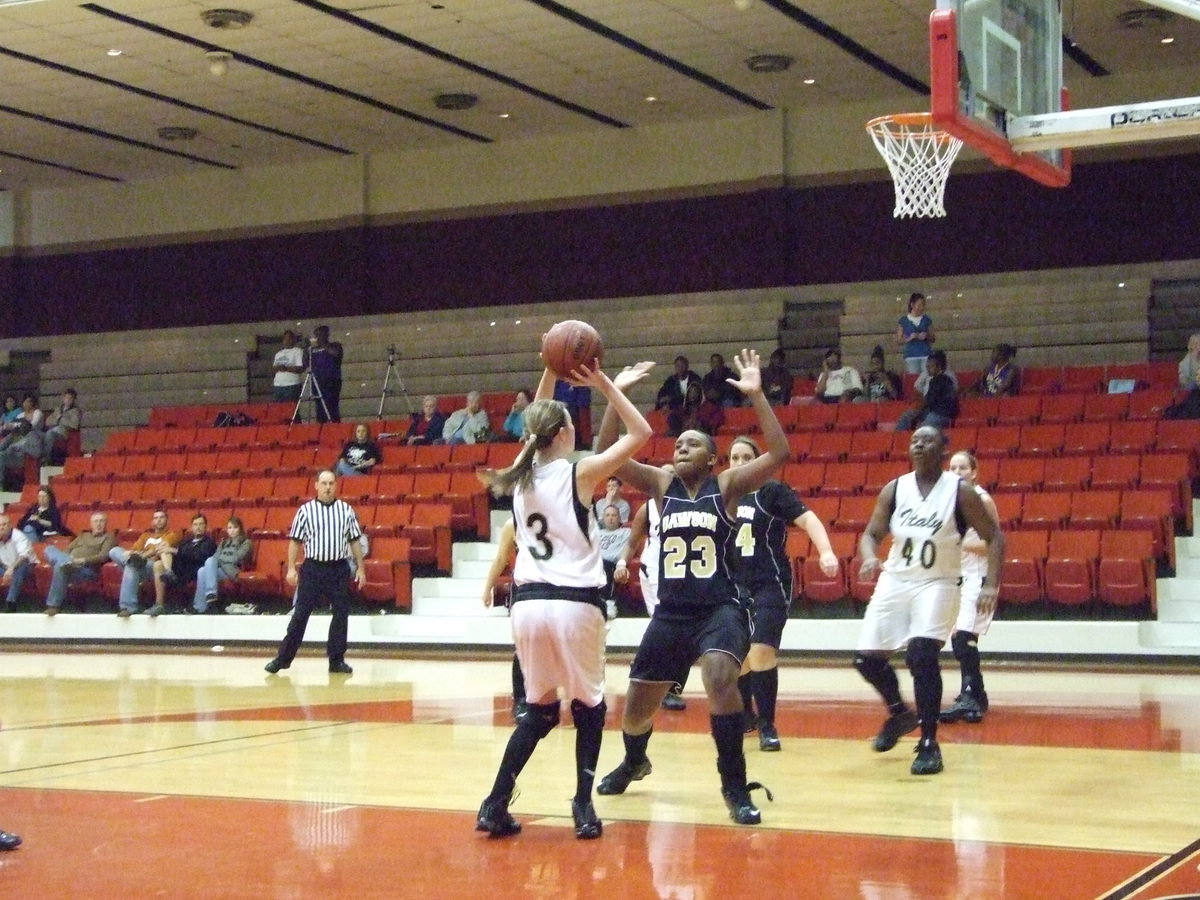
[{"x": 690, "y": 518}]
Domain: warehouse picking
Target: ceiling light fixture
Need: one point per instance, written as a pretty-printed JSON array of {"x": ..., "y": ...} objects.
[
  {"x": 651, "y": 99},
  {"x": 810, "y": 81},
  {"x": 228, "y": 19},
  {"x": 1167, "y": 40},
  {"x": 455, "y": 101},
  {"x": 766, "y": 63},
  {"x": 218, "y": 61},
  {"x": 113, "y": 51}
]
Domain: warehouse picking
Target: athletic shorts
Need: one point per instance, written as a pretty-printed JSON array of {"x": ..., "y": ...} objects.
[
  {"x": 905, "y": 608},
  {"x": 770, "y": 606},
  {"x": 673, "y": 642},
  {"x": 560, "y": 643},
  {"x": 969, "y": 618}
]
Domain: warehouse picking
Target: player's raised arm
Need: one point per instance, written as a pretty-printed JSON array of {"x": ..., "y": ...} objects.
[{"x": 736, "y": 483}]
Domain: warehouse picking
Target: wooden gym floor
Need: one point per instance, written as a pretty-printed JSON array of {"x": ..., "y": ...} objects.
[{"x": 134, "y": 775}]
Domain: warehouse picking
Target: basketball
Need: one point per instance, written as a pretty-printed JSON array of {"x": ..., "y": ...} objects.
[{"x": 570, "y": 344}]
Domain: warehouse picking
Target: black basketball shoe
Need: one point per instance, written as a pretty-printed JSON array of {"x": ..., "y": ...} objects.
[
  {"x": 929, "y": 758},
  {"x": 587, "y": 824},
  {"x": 619, "y": 778},
  {"x": 494, "y": 818},
  {"x": 741, "y": 808},
  {"x": 895, "y": 726}
]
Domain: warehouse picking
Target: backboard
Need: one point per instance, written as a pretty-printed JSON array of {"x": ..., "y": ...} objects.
[{"x": 994, "y": 61}]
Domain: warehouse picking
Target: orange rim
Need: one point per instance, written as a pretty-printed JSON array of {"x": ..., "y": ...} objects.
[{"x": 917, "y": 119}]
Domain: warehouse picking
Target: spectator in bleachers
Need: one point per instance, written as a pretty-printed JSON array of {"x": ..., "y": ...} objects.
[
  {"x": 180, "y": 564},
  {"x": 231, "y": 556},
  {"x": 60, "y": 423},
  {"x": 939, "y": 404},
  {"x": 43, "y": 518},
  {"x": 26, "y": 439},
  {"x": 715, "y": 380},
  {"x": 578, "y": 400},
  {"x": 777, "y": 380},
  {"x": 12, "y": 409},
  {"x": 514, "y": 424},
  {"x": 137, "y": 564},
  {"x": 359, "y": 456},
  {"x": 710, "y": 414},
  {"x": 81, "y": 561},
  {"x": 612, "y": 497},
  {"x": 614, "y": 538},
  {"x": 426, "y": 426},
  {"x": 1002, "y": 377},
  {"x": 921, "y": 385},
  {"x": 16, "y": 561},
  {"x": 914, "y": 333},
  {"x": 1189, "y": 380},
  {"x": 879, "y": 383},
  {"x": 838, "y": 383},
  {"x": 469, "y": 425},
  {"x": 325, "y": 360},
  {"x": 683, "y": 417},
  {"x": 288, "y": 367},
  {"x": 674, "y": 391}
]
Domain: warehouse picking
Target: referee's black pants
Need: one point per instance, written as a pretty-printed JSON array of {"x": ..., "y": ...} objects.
[{"x": 320, "y": 581}]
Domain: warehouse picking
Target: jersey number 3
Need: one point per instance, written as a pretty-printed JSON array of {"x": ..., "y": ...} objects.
[
  {"x": 678, "y": 557},
  {"x": 537, "y": 523}
]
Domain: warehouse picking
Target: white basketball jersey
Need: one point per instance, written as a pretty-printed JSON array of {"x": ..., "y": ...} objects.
[
  {"x": 974, "y": 564},
  {"x": 926, "y": 542},
  {"x": 650, "y": 557},
  {"x": 556, "y": 533}
]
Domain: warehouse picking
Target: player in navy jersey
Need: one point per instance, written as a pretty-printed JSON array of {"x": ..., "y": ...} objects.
[
  {"x": 558, "y": 613},
  {"x": 765, "y": 571},
  {"x": 916, "y": 600},
  {"x": 972, "y": 623},
  {"x": 701, "y": 613}
]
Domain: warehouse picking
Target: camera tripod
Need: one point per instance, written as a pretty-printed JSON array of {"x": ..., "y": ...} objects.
[
  {"x": 310, "y": 389},
  {"x": 387, "y": 380}
]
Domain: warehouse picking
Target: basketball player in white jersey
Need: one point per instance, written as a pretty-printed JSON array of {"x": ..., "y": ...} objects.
[
  {"x": 915, "y": 602},
  {"x": 558, "y": 613},
  {"x": 972, "y": 700}
]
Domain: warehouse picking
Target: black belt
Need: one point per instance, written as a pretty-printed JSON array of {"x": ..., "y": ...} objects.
[
  {"x": 330, "y": 562},
  {"x": 541, "y": 590}
]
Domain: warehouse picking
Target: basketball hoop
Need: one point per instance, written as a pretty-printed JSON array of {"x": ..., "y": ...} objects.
[{"x": 919, "y": 156}]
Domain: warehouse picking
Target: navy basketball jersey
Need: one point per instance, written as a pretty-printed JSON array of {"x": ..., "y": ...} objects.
[
  {"x": 695, "y": 549},
  {"x": 763, "y": 518}
]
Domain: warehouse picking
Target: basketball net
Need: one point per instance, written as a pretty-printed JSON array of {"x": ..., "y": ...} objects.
[{"x": 919, "y": 156}]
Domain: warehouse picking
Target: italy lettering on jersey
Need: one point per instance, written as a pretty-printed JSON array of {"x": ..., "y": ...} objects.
[
  {"x": 926, "y": 540},
  {"x": 695, "y": 549},
  {"x": 974, "y": 564},
  {"x": 763, "y": 518},
  {"x": 557, "y": 535}
]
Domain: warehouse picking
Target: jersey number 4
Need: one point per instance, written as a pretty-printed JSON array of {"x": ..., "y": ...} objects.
[
  {"x": 678, "y": 558},
  {"x": 928, "y": 553}
]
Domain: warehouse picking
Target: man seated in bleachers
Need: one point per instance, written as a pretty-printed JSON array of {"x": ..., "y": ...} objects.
[
  {"x": 24, "y": 439},
  {"x": 81, "y": 561},
  {"x": 939, "y": 405},
  {"x": 1189, "y": 380},
  {"x": 180, "y": 564},
  {"x": 16, "y": 560},
  {"x": 60, "y": 423},
  {"x": 469, "y": 425},
  {"x": 137, "y": 564},
  {"x": 777, "y": 380},
  {"x": 838, "y": 383}
]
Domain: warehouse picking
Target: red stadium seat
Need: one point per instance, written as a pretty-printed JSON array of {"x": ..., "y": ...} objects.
[
  {"x": 1115, "y": 472},
  {"x": 1173, "y": 471},
  {"x": 854, "y": 512},
  {"x": 1061, "y": 409},
  {"x": 1131, "y": 437},
  {"x": 1150, "y": 510},
  {"x": 1024, "y": 560},
  {"x": 815, "y": 417},
  {"x": 1125, "y": 576},
  {"x": 1106, "y": 408},
  {"x": 799, "y": 444},
  {"x": 998, "y": 440},
  {"x": 869, "y": 446},
  {"x": 1067, "y": 473},
  {"x": 1150, "y": 403},
  {"x": 1082, "y": 379},
  {"x": 856, "y": 416},
  {"x": 1042, "y": 440},
  {"x": 844, "y": 478},
  {"x": 1045, "y": 510},
  {"x": 1071, "y": 566},
  {"x": 829, "y": 446},
  {"x": 1094, "y": 509},
  {"x": 1019, "y": 474},
  {"x": 1086, "y": 438},
  {"x": 1041, "y": 380},
  {"x": 1008, "y": 509},
  {"x": 804, "y": 478},
  {"x": 1023, "y": 409},
  {"x": 880, "y": 473},
  {"x": 977, "y": 411}
]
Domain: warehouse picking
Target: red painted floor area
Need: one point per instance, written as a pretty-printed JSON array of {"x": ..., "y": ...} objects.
[{"x": 121, "y": 846}]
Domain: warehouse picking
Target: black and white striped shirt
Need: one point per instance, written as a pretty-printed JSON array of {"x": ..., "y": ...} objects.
[{"x": 325, "y": 529}]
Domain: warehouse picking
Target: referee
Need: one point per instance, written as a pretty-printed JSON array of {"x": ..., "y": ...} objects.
[{"x": 325, "y": 527}]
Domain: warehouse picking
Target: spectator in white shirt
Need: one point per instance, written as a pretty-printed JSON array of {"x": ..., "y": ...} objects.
[
  {"x": 838, "y": 383},
  {"x": 288, "y": 367},
  {"x": 16, "y": 560}
]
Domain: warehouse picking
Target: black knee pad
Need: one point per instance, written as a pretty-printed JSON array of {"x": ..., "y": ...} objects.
[
  {"x": 584, "y": 716},
  {"x": 540, "y": 718},
  {"x": 869, "y": 666},
  {"x": 963, "y": 642},
  {"x": 922, "y": 653}
]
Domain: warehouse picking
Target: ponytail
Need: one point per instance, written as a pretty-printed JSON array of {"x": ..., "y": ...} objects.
[{"x": 543, "y": 420}]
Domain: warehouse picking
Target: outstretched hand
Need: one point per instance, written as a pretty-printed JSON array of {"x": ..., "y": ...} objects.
[
  {"x": 748, "y": 365},
  {"x": 584, "y": 376},
  {"x": 631, "y": 375}
]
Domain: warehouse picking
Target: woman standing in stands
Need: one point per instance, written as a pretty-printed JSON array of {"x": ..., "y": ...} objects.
[
  {"x": 914, "y": 333},
  {"x": 915, "y": 602},
  {"x": 43, "y": 518},
  {"x": 702, "y": 614},
  {"x": 973, "y": 622},
  {"x": 764, "y": 570},
  {"x": 558, "y": 613}
]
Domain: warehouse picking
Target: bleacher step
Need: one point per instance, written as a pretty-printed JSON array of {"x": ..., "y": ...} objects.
[
  {"x": 1179, "y": 600},
  {"x": 1184, "y": 636},
  {"x": 451, "y": 597}
]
